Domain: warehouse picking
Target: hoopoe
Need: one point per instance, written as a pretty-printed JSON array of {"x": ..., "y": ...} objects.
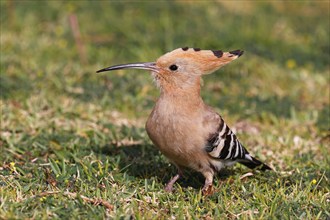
[{"x": 187, "y": 131}]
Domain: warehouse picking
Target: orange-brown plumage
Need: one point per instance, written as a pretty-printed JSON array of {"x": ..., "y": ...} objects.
[{"x": 187, "y": 131}]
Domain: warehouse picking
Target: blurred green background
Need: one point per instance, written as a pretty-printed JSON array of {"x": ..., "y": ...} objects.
[
  {"x": 286, "y": 64},
  {"x": 54, "y": 107}
]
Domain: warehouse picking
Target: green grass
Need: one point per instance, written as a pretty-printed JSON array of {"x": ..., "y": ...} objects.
[{"x": 72, "y": 140}]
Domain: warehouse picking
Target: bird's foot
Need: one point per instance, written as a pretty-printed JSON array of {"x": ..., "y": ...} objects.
[
  {"x": 169, "y": 185},
  {"x": 208, "y": 190},
  {"x": 169, "y": 188}
]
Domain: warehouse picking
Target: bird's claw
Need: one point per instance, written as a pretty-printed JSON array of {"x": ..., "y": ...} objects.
[
  {"x": 169, "y": 188},
  {"x": 208, "y": 190},
  {"x": 169, "y": 185}
]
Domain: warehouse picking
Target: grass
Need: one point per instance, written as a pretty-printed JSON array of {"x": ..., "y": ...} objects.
[{"x": 73, "y": 143}]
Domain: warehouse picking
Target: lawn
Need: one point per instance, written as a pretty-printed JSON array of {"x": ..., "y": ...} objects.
[{"x": 73, "y": 143}]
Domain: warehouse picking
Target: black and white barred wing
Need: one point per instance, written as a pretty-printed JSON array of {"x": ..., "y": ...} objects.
[{"x": 224, "y": 145}]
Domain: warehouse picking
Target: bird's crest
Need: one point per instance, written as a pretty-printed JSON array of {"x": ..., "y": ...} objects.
[{"x": 203, "y": 61}]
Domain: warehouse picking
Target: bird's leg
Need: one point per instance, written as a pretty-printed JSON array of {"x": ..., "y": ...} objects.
[
  {"x": 169, "y": 185},
  {"x": 208, "y": 186}
]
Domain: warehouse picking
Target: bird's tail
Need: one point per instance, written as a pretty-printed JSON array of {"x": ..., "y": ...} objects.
[{"x": 254, "y": 163}]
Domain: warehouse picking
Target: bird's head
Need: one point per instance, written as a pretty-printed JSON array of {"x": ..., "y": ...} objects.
[{"x": 183, "y": 67}]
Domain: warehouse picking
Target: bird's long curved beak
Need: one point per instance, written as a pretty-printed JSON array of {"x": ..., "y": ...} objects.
[{"x": 145, "y": 66}]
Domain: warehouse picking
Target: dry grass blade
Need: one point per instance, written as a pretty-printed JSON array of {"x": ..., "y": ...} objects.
[{"x": 95, "y": 201}]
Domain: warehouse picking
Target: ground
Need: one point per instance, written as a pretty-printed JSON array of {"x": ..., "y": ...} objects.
[{"x": 73, "y": 143}]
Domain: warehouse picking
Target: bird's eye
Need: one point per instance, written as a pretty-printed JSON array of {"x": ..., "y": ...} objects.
[{"x": 173, "y": 67}]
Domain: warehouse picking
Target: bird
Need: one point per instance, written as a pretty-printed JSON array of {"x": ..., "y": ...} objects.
[{"x": 187, "y": 131}]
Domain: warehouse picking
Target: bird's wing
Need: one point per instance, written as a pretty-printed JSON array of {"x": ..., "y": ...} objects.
[{"x": 223, "y": 144}]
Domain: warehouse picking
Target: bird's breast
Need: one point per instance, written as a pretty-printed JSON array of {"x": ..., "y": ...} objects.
[{"x": 179, "y": 135}]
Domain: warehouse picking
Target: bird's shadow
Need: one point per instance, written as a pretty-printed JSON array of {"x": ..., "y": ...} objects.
[{"x": 145, "y": 162}]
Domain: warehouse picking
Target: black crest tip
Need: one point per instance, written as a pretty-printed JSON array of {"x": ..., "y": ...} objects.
[
  {"x": 217, "y": 53},
  {"x": 237, "y": 52}
]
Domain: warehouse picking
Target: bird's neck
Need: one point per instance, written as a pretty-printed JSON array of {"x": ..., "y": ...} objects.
[{"x": 185, "y": 96}]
